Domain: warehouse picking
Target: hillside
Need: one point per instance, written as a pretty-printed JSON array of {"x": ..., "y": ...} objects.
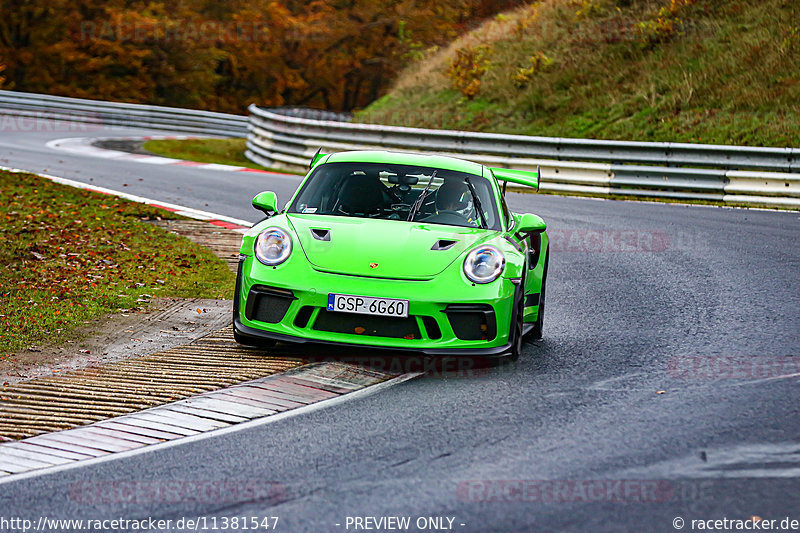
[{"x": 710, "y": 71}]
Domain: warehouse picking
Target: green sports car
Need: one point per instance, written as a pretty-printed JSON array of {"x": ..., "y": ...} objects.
[{"x": 397, "y": 251}]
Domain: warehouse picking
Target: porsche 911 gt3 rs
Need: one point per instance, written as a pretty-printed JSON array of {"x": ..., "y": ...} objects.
[{"x": 397, "y": 251}]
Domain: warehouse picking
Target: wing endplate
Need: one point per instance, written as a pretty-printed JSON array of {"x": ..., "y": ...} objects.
[{"x": 520, "y": 177}]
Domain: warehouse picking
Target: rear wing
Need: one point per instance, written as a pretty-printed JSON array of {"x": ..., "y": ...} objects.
[
  {"x": 316, "y": 158},
  {"x": 520, "y": 177}
]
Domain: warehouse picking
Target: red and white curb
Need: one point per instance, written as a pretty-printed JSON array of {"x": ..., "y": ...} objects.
[
  {"x": 188, "y": 212},
  {"x": 233, "y": 408},
  {"x": 85, "y": 146}
]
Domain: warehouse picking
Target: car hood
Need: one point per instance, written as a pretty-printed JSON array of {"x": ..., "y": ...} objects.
[{"x": 382, "y": 248}]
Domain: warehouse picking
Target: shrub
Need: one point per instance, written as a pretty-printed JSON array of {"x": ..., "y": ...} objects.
[
  {"x": 589, "y": 8},
  {"x": 665, "y": 25},
  {"x": 538, "y": 62},
  {"x": 467, "y": 69}
]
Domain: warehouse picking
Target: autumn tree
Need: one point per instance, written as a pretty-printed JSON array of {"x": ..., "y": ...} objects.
[{"x": 334, "y": 54}]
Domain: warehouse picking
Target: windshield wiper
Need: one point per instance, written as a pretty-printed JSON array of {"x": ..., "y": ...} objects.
[
  {"x": 418, "y": 201},
  {"x": 477, "y": 202}
]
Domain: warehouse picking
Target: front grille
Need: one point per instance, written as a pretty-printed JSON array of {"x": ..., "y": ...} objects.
[
  {"x": 374, "y": 326},
  {"x": 472, "y": 322},
  {"x": 266, "y": 304}
]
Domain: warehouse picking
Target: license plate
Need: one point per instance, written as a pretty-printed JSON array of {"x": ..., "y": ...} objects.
[{"x": 366, "y": 305}]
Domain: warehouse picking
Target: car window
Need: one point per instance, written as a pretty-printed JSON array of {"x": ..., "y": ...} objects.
[
  {"x": 398, "y": 192},
  {"x": 506, "y": 213}
]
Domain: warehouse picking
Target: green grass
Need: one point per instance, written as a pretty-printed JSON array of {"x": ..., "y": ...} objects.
[
  {"x": 221, "y": 151},
  {"x": 70, "y": 256},
  {"x": 728, "y": 74}
]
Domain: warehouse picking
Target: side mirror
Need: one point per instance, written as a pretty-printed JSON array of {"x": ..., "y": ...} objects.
[
  {"x": 530, "y": 223},
  {"x": 267, "y": 202}
]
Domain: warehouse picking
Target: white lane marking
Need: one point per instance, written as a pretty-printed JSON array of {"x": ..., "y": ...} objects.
[
  {"x": 156, "y": 160},
  {"x": 366, "y": 391},
  {"x": 84, "y": 146},
  {"x": 218, "y": 166},
  {"x": 188, "y": 212}
]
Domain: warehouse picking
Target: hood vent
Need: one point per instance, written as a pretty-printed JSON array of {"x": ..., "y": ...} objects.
[
  {"x": 321, "y": 234},
  {"x": 443, "y": 244}
]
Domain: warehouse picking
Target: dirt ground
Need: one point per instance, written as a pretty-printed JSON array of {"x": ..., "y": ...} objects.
[
  {"x": 163, "y": 324},
  {"x": 123, "y": 145}
]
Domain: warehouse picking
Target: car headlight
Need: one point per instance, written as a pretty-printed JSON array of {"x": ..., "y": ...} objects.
[
  {"x": 273, "y": 246},
  {"x": 484, "y": 264}
]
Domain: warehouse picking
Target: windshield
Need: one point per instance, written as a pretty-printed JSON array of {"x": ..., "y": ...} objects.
[{"x": 399, "y": 192}]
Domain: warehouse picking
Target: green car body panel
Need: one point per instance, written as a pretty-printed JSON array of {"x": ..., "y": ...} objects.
[{"x": 393, "y": 259}]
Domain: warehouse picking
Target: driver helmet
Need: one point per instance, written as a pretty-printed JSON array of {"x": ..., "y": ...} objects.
[{"x": 452, "y": 196}]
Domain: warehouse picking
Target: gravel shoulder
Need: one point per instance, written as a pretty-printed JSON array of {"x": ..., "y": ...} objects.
[{"x": 162, "y": 324}]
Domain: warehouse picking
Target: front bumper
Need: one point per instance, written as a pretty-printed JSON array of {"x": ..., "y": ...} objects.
[{"x": 301, "y": 294}]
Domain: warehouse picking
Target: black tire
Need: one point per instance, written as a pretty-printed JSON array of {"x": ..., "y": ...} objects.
[
  {"x": 515, "y": 335},
  {"x": 517, "y": 327},
  {"x": 538, "y": 326}
]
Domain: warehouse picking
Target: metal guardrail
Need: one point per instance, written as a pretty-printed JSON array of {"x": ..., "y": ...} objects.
[
  {"x": 730, "y": 174},
  {"x": 287, "y": 138},
  {"x": 40, "y": 109}
]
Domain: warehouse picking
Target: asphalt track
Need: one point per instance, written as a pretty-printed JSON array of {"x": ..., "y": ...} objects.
[{"x": 667, "y": 385}]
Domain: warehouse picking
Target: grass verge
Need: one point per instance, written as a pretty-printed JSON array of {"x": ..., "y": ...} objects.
[
  {"x": 70, "y": 256},
  {"x": 220, "y": 151}
]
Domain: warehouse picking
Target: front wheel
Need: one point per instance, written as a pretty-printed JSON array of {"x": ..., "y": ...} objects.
[{"x": 517, "y": 325}]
